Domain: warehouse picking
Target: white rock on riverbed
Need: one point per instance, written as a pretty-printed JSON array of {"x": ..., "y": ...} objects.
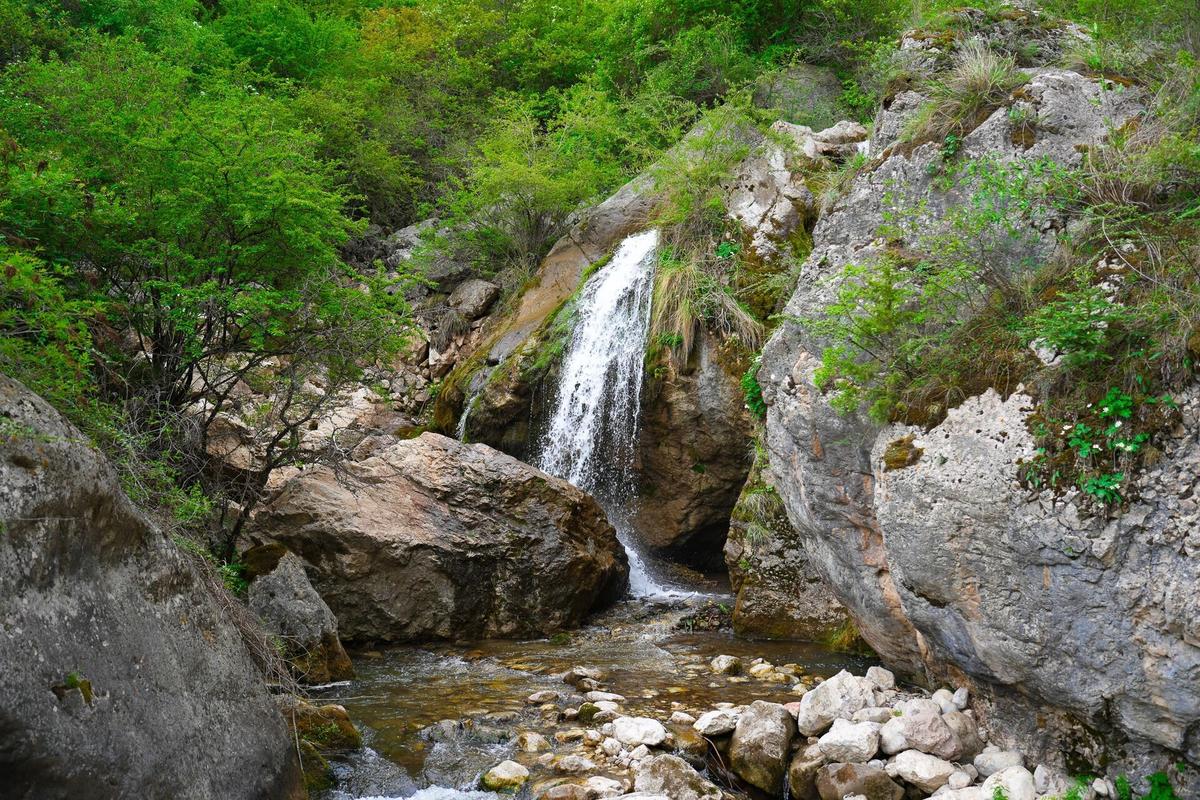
[
  {"x": 855, "y": 742},
  {"x": 839, "y": 696},
  {"x": 716, "y": 723},
  {"x": 992, "y": 760},
  {"x": 505, "y": 776},
  {"x": 634, "y": 731},
  {"x": 1017, "y": 783},
  {"x": 926, "y": 772}
]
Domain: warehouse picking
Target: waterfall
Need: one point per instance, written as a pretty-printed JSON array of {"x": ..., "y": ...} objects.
[{"x": 592, "y": 433}]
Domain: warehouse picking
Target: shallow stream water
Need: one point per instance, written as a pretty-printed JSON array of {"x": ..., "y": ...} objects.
[{"x": 401, "y": 696}]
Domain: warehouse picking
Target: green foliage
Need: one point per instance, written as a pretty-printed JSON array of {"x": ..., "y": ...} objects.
[
  {"x": 45, "y": 341},
  {"x": 1080, "y": 325},
  {"x": 231, "y": 571},
  {"x": 753, "y": 390},
  {"x": 1160, "y": 787},
  {"x": 284, "y": 37},
  {"x": 699, "y": 256}
]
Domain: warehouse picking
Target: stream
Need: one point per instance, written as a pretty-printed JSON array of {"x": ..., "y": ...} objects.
[{"x": 437, "y": 716}]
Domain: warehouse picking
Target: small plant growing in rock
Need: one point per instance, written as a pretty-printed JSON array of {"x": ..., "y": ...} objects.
[
  {"x": 1105, "y": 488},
  {"x": 753, "y": 390},
  {"x": 1080, "y": 324}
]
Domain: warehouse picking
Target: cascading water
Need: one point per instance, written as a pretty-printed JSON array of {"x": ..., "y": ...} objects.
[{"x": 592, "y": 432}]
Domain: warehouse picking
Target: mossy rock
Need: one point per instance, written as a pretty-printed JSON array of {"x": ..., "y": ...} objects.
[
  {"x": 901, "y": 453},
  {"x": 318, "y": 775},
  {"x": 328, "y": 727},
  {"x": 587, "y": 711}
]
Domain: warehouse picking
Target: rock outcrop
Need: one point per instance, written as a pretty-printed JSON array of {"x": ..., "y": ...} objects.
[
  {"x": 780, "y": 595},
  {"x": 291, "y": 610},
  {"x": 948, "y": 565},
  {"x": 434, "y": 539},
  {"x": 692, "y": 458},
  {"x": 123, "y": 675}
]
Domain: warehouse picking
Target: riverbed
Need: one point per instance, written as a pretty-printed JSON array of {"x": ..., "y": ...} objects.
[{"x": 435, "y": 717}]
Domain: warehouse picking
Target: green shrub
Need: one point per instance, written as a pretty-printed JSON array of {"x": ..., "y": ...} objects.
[
  {"x": 45, "y": 339},
  {"x": 1080, "y": 324}
]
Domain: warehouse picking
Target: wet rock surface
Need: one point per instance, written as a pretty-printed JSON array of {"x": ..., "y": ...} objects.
[{"x": 115, "y": 654}]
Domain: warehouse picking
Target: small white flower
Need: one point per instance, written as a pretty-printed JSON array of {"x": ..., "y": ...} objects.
[{"x": 1117, "y": 424}]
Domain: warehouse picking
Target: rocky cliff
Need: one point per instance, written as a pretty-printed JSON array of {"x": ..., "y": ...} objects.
[
  {"x": 948, "y": 565},
  {"x": 122, "y": 673}
]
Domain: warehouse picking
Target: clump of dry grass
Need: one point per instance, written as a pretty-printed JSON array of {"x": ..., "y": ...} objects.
[{"x": 978, "y": 82}]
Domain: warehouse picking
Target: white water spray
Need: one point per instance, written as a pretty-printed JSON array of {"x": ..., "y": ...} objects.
[{"x": 592, "y": 433}]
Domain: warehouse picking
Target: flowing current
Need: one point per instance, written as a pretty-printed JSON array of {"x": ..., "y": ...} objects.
[{"x": 592, "y": 433}]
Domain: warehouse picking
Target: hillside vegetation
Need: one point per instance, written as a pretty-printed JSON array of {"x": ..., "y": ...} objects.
[{"x": 181, "y": 184}]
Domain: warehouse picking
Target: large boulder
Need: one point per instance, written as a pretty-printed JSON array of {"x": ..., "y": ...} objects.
[
  {"x": 920, "y": 726},
  {"x": 949, "y": 566},
  {"x": 802, "y": 772},
  {"x": 759, "y": 749},
  {"x": 838, "y": 697},
  {"x": 290, "y": 609},
  {"x": 435, "y": 539},
  {"x": 122, "y": 670},
  {"x": 928, "y": 773},
  {"x": 837, "y": 781}
]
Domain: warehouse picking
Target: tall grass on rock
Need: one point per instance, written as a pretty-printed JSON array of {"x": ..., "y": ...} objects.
[{"x": 978, "y": 82}]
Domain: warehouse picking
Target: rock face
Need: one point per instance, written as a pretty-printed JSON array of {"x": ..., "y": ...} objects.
[
  {"x": 779, "y": 594},
  {"x": 435, "y": 539},
  {"x": 116, "y": 658},
  {"x": 948, "y": 566},
  {"x": 693, "y": 459},
  {"x": 291, "y": 609}
]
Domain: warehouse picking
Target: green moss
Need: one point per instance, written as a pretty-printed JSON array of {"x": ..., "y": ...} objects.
[
  {"x": 318, "y": 775},
  {"x": 901, "y": 453},
  {"x": 846, "y": 639},
  {"x": 77, "y": 681}
]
